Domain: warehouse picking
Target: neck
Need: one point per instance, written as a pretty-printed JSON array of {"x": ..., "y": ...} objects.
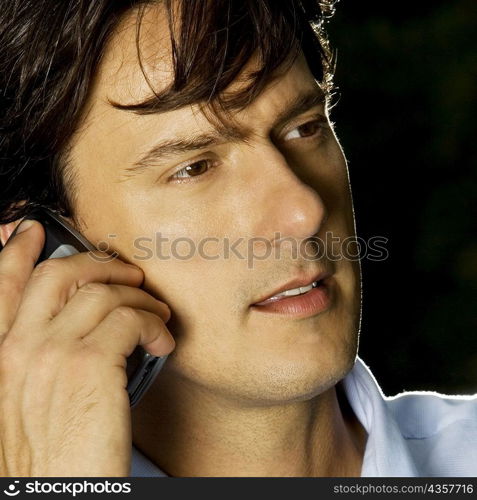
[{"x": 187, "y": 431}]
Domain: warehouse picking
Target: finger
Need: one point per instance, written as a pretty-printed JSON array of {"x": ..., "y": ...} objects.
[
  {"x": 94, "y": 301},
  {"x": 55, "y": 281},
  {"x": 17, "y": 260},
  {"x": 125, "y": 327}
]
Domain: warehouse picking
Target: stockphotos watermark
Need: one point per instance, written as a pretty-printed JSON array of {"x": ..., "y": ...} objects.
[
  {"x": 67, "y": 487},
  {"x": 331, "y": 248}
]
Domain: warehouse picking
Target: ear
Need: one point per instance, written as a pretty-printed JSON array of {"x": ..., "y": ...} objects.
[{"x": 6, "y": 230}]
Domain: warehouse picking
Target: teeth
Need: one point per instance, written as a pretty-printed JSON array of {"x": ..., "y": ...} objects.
[{"x": 296, "y": 291}]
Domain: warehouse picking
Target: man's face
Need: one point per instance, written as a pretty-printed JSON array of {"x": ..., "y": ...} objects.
[{"x": 281, "y": 174}]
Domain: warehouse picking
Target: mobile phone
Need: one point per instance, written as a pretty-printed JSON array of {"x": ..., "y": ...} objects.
[{"x": 63, "y": 240}]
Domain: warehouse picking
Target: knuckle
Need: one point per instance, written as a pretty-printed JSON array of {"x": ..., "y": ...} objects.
[
  {"x": 11, "y": 358},
  {"x": 48, "y": 268},
  {"x": 90, "y": 355},
  {"x": 127, "y": 314},
  {"x": 95, "y": 289},
  {"x": 47, "y": 357}
]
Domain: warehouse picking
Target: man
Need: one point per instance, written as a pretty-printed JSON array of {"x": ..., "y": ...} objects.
[{"x": 205, "y": 123}]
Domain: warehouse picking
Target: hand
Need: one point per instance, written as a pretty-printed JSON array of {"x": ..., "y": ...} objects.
[{"x": 66, "y": 329}]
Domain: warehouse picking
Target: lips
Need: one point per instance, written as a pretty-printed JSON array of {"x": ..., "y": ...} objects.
[{"x": 294, "y": 287}]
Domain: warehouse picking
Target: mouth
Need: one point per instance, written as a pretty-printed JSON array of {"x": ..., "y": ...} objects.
[
  {"x": 299, "y": 298},
  {"x": 294, "y": 288}
]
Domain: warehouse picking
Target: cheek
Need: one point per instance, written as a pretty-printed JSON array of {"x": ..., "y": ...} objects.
[
  {"x": 335, "y": 184},
  {"x": 186, "y": 268},
  {"x": 197, "y": 291},
  {"x": 326, "y": 172}
]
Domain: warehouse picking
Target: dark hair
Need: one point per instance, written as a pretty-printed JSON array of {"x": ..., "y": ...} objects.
[{"x": 50, "y": 50}]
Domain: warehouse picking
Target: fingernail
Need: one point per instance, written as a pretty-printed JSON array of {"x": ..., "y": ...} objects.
[
  {"x": 136, "y": 269},
  {"x": 24, "y": 225},
  {"x": 133, "y": 266},
  {"x": 168, "y": 313}
]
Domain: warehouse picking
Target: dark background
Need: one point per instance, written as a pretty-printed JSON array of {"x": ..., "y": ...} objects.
[{"x": 406, "y": 117}]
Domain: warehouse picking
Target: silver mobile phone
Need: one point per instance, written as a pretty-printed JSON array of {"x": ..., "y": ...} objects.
[{"x": 61, "y": 241}]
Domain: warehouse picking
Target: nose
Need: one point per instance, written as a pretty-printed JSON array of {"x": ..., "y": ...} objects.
[{"x": 285, "y": 206}]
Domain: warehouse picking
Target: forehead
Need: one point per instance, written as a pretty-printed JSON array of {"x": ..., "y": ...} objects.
[
  {"x": 138, "y": 60},
  {"x": 113, "y": 137},
  {"x": 138, "y": 51}
]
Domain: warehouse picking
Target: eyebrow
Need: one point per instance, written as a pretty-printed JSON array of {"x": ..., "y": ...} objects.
[{"x": 168, "y": 148}]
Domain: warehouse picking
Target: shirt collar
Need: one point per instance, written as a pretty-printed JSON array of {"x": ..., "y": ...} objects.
[{"x": 386, "y": 453}]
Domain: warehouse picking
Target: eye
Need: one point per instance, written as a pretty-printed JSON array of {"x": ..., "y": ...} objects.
[
  {"x": 195, "y": 169},
  {"x": 308, "y": 129}
]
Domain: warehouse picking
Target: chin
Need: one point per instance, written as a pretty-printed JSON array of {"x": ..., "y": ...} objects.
[
  {"x": 261, "y": 372},
  {"x": 298, "y": 376},
  {"x": 305, "y": 379}
]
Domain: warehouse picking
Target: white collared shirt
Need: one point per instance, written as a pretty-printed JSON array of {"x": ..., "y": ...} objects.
[{"x": 413, "y": 434}]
